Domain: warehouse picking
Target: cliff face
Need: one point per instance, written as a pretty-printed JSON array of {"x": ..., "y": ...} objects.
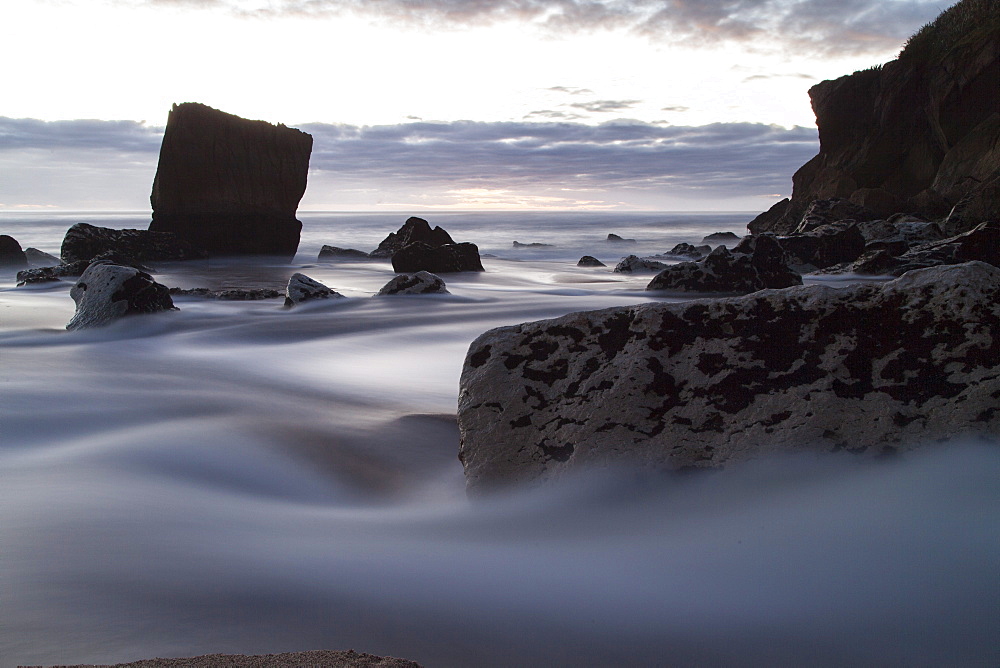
[
  {"x": 920, "y": 135},
  {"x": 230, "y": 185}
]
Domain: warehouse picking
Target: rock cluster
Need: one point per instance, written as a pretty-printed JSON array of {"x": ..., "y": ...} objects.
[
  {"x": 106, "y": 292},
  {"x": 870, "y": 369},
  {"x": 83, "y": 242},
  {"x": 228, "y": 185},
  {"x": 756, "y": 263}
]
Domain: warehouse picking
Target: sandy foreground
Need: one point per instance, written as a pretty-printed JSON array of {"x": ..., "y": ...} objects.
[{"x": 324, "y": 658}]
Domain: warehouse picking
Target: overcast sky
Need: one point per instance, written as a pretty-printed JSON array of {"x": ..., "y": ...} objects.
[{"x": 604, "y": 104}]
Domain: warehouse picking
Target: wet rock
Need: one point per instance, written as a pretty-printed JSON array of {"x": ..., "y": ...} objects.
[
  {"x": 229, "y": 294},
  {"x": 420, "y": 283},
  {"x": 333, "y": 253},
  {"x": 447, "y": 258},
  {"x": 413, "y": 230},
  {"x": 757, "y": 263},
  {"x": 49, "y": 274},
  {"x": 83, "y": 242},
  {"x": 724, "y": 238},
  {"x": 689, "y": 250},
  {"x": 872, "y": 369},
  {"x": 826, "y": 245},
  {"x": 39, "y": 258},
  {"x": 302, "y": 288},
  {"x": 11, "y": 255},
  {"x": 826, "y": 211},
  {"x": 228, "y": 185},
  {"x": 614, "y": 238},
  {"x": 518, "y": 244},
  {"x": 107, "y": 292},
  {"x": 981, "y": 243},
  {"x": 634, "y": 264},
  {"x": 590, "y": 261}
]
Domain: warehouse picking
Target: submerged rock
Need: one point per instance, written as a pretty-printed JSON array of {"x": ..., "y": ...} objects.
[
  {"x": 447, "y": 258},
  {"x": 106, "y": 292},
  {"x": 83, "y": 242},
  {"x": 756, "y": 263},
  {"x": 229, "y": 185},
  {"x": 11, "y": 255},
  {"x": 633, "y": 264},
  {"x": 420, "y": 283},
  {"x": 413, "y": 230},
  {"x": 590, "y": 261},
  {"x": 870, "y": 368},
  {"x": 303, "y": 288}
]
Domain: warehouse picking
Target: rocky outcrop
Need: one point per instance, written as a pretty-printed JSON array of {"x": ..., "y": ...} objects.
[
  {"x": 229, "y": 185},
  {"x": 871, "y": 369},
  {"x": 11, "y": 255},
  {"x": 690, "y": 251},
  {"x": 420, "y": 283},
  {"x": 413, "y": 230},
  {"x": 444, "y": 259},
  {"x": 919, "y": 135},
  {"x": 302, "y": 288},
  {"x": 40, "y": 258},
  {"x": 981, "y": 243},
  {"x": 333, "y": 253},
  {"x": 633, "y": 264},
  {"x": 590, "y": 261},
  {"x": 826, "y": 245},
  {"x": 756, "y": 263},
  {"x": 106, "y": 292},
  {"x": 83, "y": 242}
]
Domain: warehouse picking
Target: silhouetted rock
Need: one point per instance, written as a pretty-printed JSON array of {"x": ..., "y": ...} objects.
[
  {"x": 83, "y": 242},
  {"x": 302, "y": 288},
  {"x": 724, "y": 238},
  {"x": 413, "y": 230},
  {"x": 230, "y": 185},
  {"x": 39, "y": 258},
  {"x": 444, "y": 259},
  {"x": 106, "y": 292},
  {"x": 871, "y": 368},
  {"x": 333, "y": 253},
  {"x": 918, "y": 135},
  {"x": 760, "y": 263},
  {"x": 633, "y": 264},
  {"x": 614, "y": 238},
  {"x": 590, "y": 261},
  {"x": 518, "y": 244},
  {"x": 420, "y": 283},
  {"x": 11, "y": 255}
]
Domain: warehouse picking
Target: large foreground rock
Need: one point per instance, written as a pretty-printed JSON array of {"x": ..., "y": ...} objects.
[
  {"x": 106, "y": 292},
  {"x": 230, "y": 185},
  {"x": 870, "y": 369},
  {"x": 83, "y": 242}
]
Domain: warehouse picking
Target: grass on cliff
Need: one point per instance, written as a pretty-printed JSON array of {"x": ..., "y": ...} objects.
[{"x": 966, "y": 22}]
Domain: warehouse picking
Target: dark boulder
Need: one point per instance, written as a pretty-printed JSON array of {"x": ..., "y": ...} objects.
[
  {"x": 590, "y": 261},
  {"x": 420, "y": 283},
  {"x": 633, "y": 264},
  {"x": 826, "y": 245},
  {"x": 229, "y": 185},
  {"x": 413, "y": 230},
  {"x": 83, "y": 242},
  {"x": 106, "y": 292},
  {"x": 614, "y": 238},
  {"x": 444, "y": 259},
  {"x": 760, "y": 264},
  {"x": 871, "y": 369},
  {"x": 302, "y": 288},
  {"x": 724, "y": 238},
  {"x": 333, "y": 253},
  {"x": 11, "y": 255},
  {"x": 689, "y": 250}
]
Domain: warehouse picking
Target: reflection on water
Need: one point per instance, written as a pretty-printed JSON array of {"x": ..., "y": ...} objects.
[{"x": 236, "y": 477}]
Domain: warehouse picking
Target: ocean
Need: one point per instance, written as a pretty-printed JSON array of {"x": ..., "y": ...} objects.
[{"x": 237, "y": 477}]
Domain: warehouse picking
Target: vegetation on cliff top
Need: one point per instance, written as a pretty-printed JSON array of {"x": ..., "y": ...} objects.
[{"x": 966, "y": 22}]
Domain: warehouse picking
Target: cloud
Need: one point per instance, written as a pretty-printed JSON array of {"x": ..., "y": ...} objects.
[
  {"x": 676, "y": 108},
  {"x": 570, "y": 90},
  {"x": 823, "y": 26},
  {"x": 605, "y": 106},
  {"x": 766, "y": 77},
  {"x": 553, "y": 114},
  {"x": 724, "y": 160}
]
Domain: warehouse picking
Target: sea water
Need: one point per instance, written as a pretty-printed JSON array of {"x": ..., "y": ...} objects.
[{"x": 236, "y": 477}]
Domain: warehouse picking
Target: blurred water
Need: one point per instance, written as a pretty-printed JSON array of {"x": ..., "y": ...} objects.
[{"x": 236, "y": 477}]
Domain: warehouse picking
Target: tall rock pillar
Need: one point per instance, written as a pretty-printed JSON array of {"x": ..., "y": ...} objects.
[{"x": 230, "y": 185}]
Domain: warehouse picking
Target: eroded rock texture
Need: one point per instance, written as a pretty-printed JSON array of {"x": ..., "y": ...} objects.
[
  {"x": 230, "y": 185},
  {"x": 918, "y": 135},
  {"x": 870, "y": 369},
  {"x": 106, "y": 292}
]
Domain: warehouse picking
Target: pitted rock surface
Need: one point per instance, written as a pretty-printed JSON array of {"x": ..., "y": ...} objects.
[
  {"x": 106, "y": 292},
  {"x": 420, "y": 283},
  {"x": 870, "y": 369},
  {"x": 301, "y": 288},
  {"x": 756, "y": 263},
  {"x": 83, "y": 242},
  {"x": 633, "y": 264}
]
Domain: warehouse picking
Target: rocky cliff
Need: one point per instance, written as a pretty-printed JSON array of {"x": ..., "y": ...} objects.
[
  {"x": 919, "y": 135},
  {"x": 230, "y": 185}
]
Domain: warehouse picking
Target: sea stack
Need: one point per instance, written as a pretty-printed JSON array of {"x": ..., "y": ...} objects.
[{"x": 230, "y": 185}]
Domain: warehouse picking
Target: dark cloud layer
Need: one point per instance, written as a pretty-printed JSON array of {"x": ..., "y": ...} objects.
[
  {"x": 731, "y": 159},
  {"x": 855, "y": 26}
]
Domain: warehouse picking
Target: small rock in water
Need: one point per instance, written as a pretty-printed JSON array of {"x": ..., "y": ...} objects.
[
  {"x": 518, "y": 244},
  {"x": 614, "y": 238},
  {"x": 302, "y": 288},
  {"x": 329, "y": 253},
  {"x": 11, "y": 255},
  {"x": 590, "y": 261},
  {"x": 413, "y": 230},
  {"x": 637, "y": 265},
  {"x": 39, "y": 258},
  {"x": 106, "y": 292},
  {"x": 723, "y": 238},
  {"x": 420, "y": 283}
]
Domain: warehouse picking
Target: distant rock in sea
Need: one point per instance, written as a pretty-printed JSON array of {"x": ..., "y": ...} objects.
[
  {"x": 518, "y": 244},
  {"x": 724, "y": 238},
  {"x": 590, "y": 261},
  {"x": 871, "y": 369},
  {"x": 11, "y": 254},
  {"x": 229, "y": 185},
  {"x": 107, "y": 292},
  {"x": 420, "y": 283},
  {"x": 614, "y": 238},
  {"x": 447, "y": 258},
  {"x": 313, "y": 659},
  {"x": 333, "y": 253},
  {"x": 413, "y": 230}
]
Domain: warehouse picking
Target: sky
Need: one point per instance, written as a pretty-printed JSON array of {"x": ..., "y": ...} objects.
[{"x": 440, "y": 104}]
